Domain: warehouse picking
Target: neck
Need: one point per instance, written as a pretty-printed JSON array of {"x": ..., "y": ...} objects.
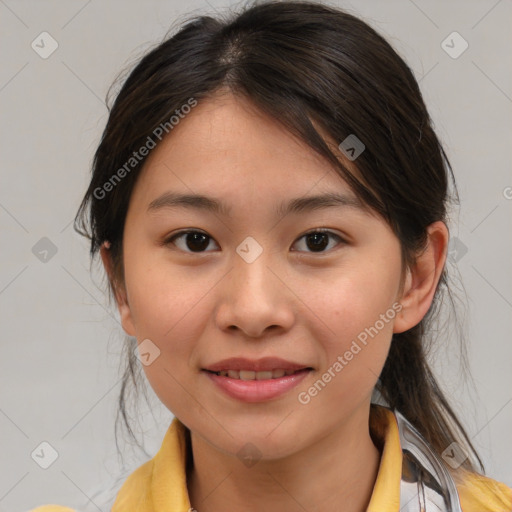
[{"x": 337, "y": 471}]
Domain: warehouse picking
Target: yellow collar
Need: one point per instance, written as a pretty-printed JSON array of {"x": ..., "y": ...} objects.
[
  {"x": 160, "y": 484},
  {"x": 386, "y": 491}
]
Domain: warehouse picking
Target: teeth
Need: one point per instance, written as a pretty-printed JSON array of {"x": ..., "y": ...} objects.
[
  {"x": 263, "y": 375},
  {"x": 252, "y": 375}
]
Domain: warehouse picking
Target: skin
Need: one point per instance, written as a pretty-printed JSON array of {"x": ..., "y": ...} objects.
[{"x": 291, "y": 302}]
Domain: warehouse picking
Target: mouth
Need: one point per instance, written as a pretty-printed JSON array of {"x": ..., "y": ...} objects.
[
  {"x": 256, "y": 380},
  {"x": 246, "y": 375}
]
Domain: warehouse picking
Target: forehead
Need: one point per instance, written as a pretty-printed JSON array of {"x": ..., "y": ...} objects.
[{"x": 225, "y": 145}]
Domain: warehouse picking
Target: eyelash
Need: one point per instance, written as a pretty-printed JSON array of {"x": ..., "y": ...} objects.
[{"x": 171, "y": 239}]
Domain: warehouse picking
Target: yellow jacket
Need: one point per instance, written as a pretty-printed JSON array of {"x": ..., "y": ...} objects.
[{"x": 159, "y": 485}]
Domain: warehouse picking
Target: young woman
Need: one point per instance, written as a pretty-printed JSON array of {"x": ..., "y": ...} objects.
[{"x": 269, "y": 201}]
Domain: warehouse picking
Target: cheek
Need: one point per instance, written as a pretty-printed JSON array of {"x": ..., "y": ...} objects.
[
  {"x": 162, "y": 296},
  {"x": 173, "y": 322},
  {"x": 168, "y": 308},
  {"x": 355, "y": 317},
  {"x": 355, "y": 301}
]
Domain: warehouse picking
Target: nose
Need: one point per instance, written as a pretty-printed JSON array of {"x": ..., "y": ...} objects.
[{"x": 254, "y": 299}]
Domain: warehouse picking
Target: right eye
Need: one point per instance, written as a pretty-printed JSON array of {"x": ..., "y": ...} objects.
[{"x": 190, "y": 241}]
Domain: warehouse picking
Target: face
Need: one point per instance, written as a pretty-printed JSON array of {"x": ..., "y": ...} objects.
[{"x": 315, "y": 286}]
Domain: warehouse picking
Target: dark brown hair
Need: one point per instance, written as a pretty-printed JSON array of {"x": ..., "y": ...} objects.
[{"x": 301, "y": 63}]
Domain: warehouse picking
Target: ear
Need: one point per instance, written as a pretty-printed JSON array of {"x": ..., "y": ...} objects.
[
  {"x": 422, "y": 278},
  {"x": 119, "y": 290}
]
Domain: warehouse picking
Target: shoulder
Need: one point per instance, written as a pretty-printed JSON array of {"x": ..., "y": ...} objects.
[
  {"x": 135, "y": 489},
  {"x": 479, "y": 493}
]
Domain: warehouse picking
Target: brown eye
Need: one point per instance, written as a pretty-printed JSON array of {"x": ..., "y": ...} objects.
[
  {"x": 191, "y": 241},
  {"x": 318, "y": 241}
]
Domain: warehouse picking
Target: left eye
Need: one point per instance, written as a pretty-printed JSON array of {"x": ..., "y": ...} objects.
[{"x": 318, "y": 241}]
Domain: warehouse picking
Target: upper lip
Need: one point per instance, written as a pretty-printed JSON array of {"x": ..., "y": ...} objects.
[{"x": 256, "y": 365}]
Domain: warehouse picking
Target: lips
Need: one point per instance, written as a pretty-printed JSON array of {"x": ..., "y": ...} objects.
[
  {"x": 259, "y": 369},
  {"x": 256, "y": 380},
  {"x": 251, "y": 375},
  {"x": 254, "y": 390}
]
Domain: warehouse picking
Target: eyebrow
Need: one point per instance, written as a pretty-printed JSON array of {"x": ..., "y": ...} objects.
[{"x": 210, "y": 204}]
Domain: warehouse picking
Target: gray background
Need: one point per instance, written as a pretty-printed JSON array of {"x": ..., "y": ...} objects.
[{"x": 59, "y": 369}]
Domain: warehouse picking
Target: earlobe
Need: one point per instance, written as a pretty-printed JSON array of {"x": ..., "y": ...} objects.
[
  {"x": 119, "y": 292},
  {"x": 422, "y": 278}
]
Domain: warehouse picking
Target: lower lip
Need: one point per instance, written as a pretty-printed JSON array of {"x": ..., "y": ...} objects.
[{"x": 257, "y": 390}]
